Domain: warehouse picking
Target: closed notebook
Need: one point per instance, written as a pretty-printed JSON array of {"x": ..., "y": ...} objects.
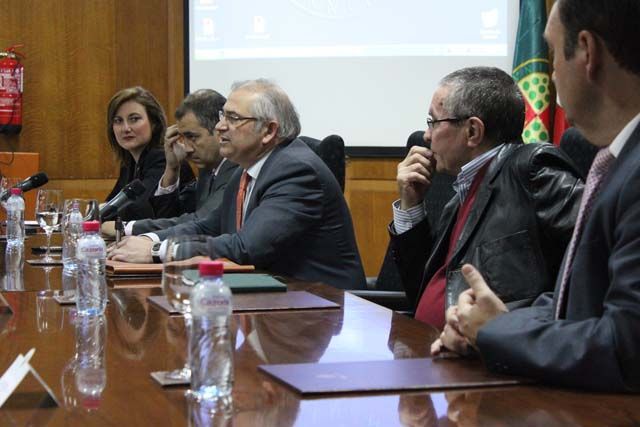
[
  {"x": 387, "y": 375},
  {"x": 244, "y": 283}
]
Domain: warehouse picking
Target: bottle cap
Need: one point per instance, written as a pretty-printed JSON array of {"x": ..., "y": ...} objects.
[
  {"x": 211, "y": 268},
  {"x": 16, "y": 191},
  {"x": 91, "y": 226}
]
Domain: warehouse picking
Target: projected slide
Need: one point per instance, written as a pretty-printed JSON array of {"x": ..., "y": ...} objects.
[{"x": 242, "y": 29}]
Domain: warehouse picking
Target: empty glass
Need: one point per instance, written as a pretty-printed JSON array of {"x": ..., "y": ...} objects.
[
  {"x": 49, "y": 215},
  {"x": 74, "y": 213}
]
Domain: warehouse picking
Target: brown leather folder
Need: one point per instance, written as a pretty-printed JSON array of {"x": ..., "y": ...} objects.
[
  {"x": 119, "y": 268},
  {"x": 387, "y": 375}
]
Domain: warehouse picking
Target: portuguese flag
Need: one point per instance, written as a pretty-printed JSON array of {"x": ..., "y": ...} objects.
[{"x": 531, "y": 70}]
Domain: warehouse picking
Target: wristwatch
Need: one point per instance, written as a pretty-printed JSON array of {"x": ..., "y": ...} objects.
[{"x": 155, "y": 252}]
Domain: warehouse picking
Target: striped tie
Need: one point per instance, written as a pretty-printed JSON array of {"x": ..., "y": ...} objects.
[{"x": 597, "y": 172}]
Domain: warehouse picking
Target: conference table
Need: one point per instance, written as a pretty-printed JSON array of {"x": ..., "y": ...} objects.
[{"x": 141, "y": 339}]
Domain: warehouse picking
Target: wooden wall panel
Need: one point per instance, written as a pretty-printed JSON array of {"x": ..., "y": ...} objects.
[
  {"x": 69, "y": 52},
  {"x": 176, "y": 55},
  {"x": 78, "y": 54},
  {"x": 370, "y": 189}
]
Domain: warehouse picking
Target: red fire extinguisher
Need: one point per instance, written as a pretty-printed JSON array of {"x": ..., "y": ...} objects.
[{"x": 11, "y": 84}]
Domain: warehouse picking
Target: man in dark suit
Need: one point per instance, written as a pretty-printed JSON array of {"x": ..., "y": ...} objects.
[
  {"x": 283, "y": 210},
  {"x": 586, "y": 334},
  {"x": 514, "y": 207},
  {"x": 193, "y": 138}
]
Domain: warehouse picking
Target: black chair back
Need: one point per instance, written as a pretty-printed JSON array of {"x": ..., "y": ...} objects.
[
  {"x": 331, "y": 151},
  {"x": 579, "y": 150}
]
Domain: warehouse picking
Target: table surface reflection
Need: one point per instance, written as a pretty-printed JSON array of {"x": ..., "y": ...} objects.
[{"x": 140, "y": 339}]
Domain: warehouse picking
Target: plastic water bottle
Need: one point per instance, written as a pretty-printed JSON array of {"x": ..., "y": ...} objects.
[
  {"x": 15, "y": 218},
  {"x": 209, "y": 340},
  {"x": 14, "y": 257},
  {"x": 14, "y": 251},
  {"x": 91, "y": 298},
  {"x": 71, "y": 233}
]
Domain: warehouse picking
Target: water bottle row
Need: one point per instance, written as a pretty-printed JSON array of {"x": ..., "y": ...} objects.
[
  {"x": 84, "y": 257},
  {"x": 83, "y": 253}
]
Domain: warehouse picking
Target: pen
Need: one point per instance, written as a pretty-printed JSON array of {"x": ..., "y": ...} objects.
[{"x": 119, "y": 229}]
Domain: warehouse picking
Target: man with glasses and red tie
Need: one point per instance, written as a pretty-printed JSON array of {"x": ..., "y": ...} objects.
[
  {"x": 514, "y": 205},
  {"x": 587, "y": 333},
  {"x": 283, "y": 210}
]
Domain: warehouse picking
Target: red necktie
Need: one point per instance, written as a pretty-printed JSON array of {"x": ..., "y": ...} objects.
[
  {"x": 242, "y": 191},
  {"x": 597, "y": 173}
]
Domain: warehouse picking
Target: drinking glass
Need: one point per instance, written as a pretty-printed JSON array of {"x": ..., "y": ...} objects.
[
  {"x": 49, "y": 214},
  {"x": 88, "y": 209},
  {"x": 179, "y": 277}
]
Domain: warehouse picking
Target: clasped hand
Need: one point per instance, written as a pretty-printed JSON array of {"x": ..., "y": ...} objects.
[{"x": 476, "y": 306}]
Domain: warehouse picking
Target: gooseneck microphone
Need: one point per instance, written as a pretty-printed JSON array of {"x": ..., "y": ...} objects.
[
  {"x": 127, "y": 195},
  {"x": 34, "y": 181}
]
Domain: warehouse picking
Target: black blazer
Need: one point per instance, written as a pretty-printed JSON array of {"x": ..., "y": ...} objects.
[
  {"x": 597, "y": 342},
  {"x": 516, "y": 232},
  {"x": 297, "y": 222},
  {"x": 149, "y": 170},
  {"x": 204, "y": 195}
]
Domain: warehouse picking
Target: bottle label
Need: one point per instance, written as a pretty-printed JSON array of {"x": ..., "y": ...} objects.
[
  {"x": 207, "y": 302},
  {"x": 91, "y": 250},
  {"x": 211, "y": 306}
]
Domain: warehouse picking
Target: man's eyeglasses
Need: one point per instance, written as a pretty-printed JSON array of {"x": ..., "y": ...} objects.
[
  {"x": 232, "y": 118},
  {"x": 431, "y": 123}
]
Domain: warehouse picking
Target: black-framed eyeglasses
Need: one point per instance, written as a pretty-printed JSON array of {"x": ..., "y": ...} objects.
[
  {"x": 232, "y": 118},
  {"x": 431, "y": 123}
]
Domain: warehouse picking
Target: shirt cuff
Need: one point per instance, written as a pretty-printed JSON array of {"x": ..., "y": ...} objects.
[
  {"x": 163, "y": 249},
  {"x": 128, "y": 229},
  {"x": 152, "y": 236},
  {"x": 406, "y": 220},
  {"x": 160, "y": 191}
]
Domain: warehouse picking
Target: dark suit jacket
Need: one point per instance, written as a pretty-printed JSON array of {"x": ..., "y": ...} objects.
[
  {"x": 516, "y": 232},
  {"x": 297, "y": 222},
  {"x": 597, "y": 342},
  {"x": 204, "y": 195},
  {"x": 149, "y": 170}
]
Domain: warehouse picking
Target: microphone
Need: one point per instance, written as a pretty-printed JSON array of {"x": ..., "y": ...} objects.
[
  {"x": 34, "y": 181},
  {"x": 127, "y": 195}
]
